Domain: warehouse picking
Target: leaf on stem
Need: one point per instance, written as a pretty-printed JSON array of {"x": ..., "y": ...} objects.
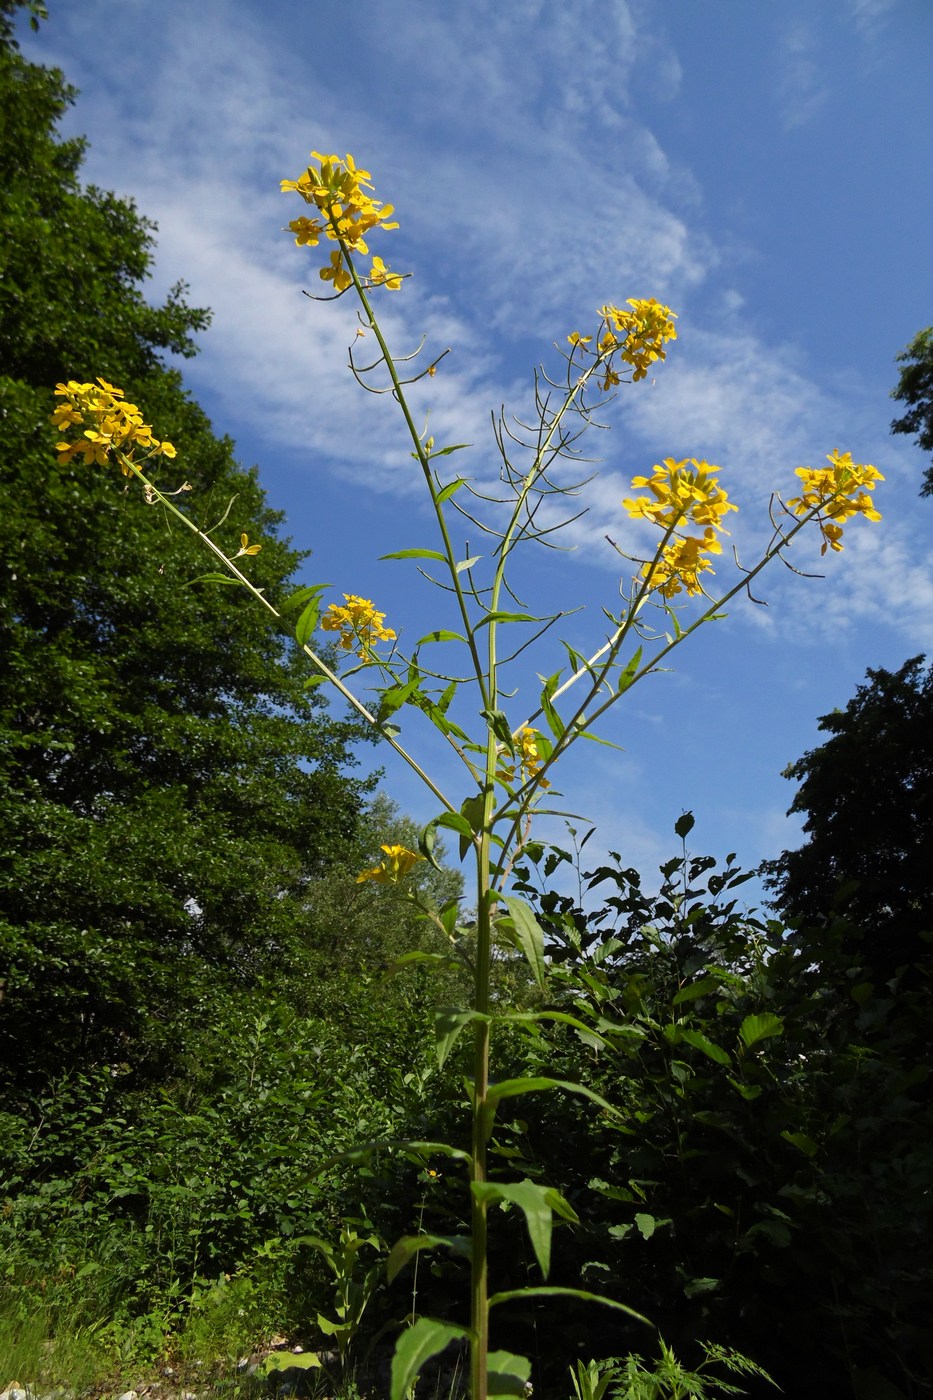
[
  {"x": 755, "y": 1028},
  {"x": 409, "y": 1245},
  {"x": 416, "y": 1346},
  {"x": 537, "y": 1203},
  {"x": 416, "y": 554},
  {"x": 449, "y": 1023},
  {"x": 552, "y": 1291},
  {"x": 526, "y": 934},
  {"x": 507, "y": 1374}
]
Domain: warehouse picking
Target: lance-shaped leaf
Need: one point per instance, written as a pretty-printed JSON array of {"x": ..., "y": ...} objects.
[
  {"x": 510, "y": 1088},
  {"x": 452, "y": 487},
  {"x": 527, "y": 935},
  {"x": 538, "y": 1204},
  {"x": 498, "y": 721},
  {"x": 505, "y": 617},
  {"x": 409, "y": 1245},
  {"x": 214, "y": 578},
  {"x": 365, "y": 1150},
  {"x": 553, "y": 1291},
  {"x": 416, "y": 554},
  {"x": 466, "y": 564},
  {"x": 449, "y": 1023},
  {"x": 393, "y": 699},
  {"x": 416, "y": 1346},
  {"x": 507, "y": 1374},
  {"x": 440, "y": 636},
  {"x": 629, "y": 672},
  {"x": 301, "y": 596}
]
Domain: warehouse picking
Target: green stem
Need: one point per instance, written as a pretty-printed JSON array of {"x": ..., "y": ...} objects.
[{"x": 155, "y": 494}]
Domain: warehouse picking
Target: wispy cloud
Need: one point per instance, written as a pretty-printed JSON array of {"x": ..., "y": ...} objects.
[{"x": 801, "y": 87}]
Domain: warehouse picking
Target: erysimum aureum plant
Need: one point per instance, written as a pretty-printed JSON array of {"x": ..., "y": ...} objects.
[{"x": 508, "y": 764}]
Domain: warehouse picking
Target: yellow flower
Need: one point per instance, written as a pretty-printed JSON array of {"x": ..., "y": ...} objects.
[
  {"x": 836, "y": 493},
  {"x": 246, "y": 547},
  {"x": 646, "y": 328},
  {"x": 338, "y": 190},
  {"x": 359, "y": 624},
  {"x": 336, "y": 273},
  {"x": 117, "y": 426},
  {"x": 528, "y": 754},
  {"x": 398, "y": 863},
  {"x": 380, "y": 273},
  {"x": 575, "y": 338},
  {"x": 680, "y": 565},
  {"x": 681, "y": 495}
]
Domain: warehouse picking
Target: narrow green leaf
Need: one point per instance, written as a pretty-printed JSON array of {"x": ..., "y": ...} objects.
[
  {"x": 409, "y": 1245},
  {"x": 214, "y": 578},
  {"x": 700, "y": 1042},
  {"x": 507, "y": 1374},
  {"x": 552, "y": 1291},
  {"x": 505, "y": 617},
  {"x": 630, "y": 671},
  {"x": 465, "y": 564},
  {"x": 511, "y": 1088},
  {"x": 537, "y": 1203},
  {"x": 759, "y": 1027},
  {"x": 304, "y": 627},
  {"x": 416, "y": 554},
  {"x": 416, "y": 1346},
  {"x": 802, "y": 1142},
  {"x": 701, "y": 988},
  {"x": 452, "y": 487},
  {"x": 499, "y": 723},
  {"x": 419, "y": 956},
  {"x": 529, "y": 936},
  {"x": 393, "y": 699},
  {"x": 440, "y": 636},
  {"x": 301, "y": 596},
  {"x": 446, "y": 451},
  {"x": 449, "y": 1023}
]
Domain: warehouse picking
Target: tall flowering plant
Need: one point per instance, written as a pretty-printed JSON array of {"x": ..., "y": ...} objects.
[{"x": 507, "y": 766}]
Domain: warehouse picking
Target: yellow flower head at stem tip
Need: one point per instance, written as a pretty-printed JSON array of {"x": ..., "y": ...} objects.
[
  {"x": 115, "y": 426},
  {"x": 836, "y": 492},
  {"x": 528, "y": 754},
  {"x": 681, "y": 494},
  {"x": 399, "y": 861},
  {"x": 359, "y": 624},
  {"x": 339, "y": 191}
]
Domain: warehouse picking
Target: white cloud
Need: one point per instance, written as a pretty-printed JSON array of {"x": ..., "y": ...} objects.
[{"x": 801, "y": 87}]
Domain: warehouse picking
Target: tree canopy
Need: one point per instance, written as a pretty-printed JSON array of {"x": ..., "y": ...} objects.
[
  {"x": 915, "y": 388},
  {"x": 169, "y": 786},
  {"x": 867, "y": 793}
]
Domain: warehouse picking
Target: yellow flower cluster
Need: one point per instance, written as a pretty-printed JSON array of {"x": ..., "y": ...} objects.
[
  {"x": 641, "y": 333},
  {"x": 682, "y": 493},
  {"x": 359, "y": 625},
  {"x": 528, "y": 755},
  {"x": 836, "y": 492},
  {"x": 399, "y": 861},
  {"x": 117, "y": 425},
  {"x": 337, "y": 189}
]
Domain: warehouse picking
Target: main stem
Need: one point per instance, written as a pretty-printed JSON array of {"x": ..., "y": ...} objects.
[{"x": 479, "y": 1283}]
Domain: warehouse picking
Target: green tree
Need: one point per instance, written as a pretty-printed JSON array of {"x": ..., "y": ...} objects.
[
  {"x": 915, "y": 388},
  {"x": 169, "y": 786},
  {"x": 867, "y": 793}
]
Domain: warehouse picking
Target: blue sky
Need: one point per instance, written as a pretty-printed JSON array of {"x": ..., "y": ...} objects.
[{"x": 764, "y": 169}]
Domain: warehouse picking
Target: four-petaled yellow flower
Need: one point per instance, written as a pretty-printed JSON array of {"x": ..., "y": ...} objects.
[
  {"x": 682, "y": 494},
  {"x": 641, "y": 332},
  {"x": 836, "y": 492},
  {"x": 117, "y": 426},
  {"x": 359, "y": 624},
  {"x": 246, "y": 547},
  {"x": 338, "y": 190},
  {"x": 379, "y": 273},
  {"x": 528, "y": 755},
  {"x": 398, "y": 863}
]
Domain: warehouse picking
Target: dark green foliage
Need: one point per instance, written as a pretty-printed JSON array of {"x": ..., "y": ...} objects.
[
  {"x": 868, "y": 797},
  {"x": 763, "y": 1181},
  {"x": 168, "y": 786},
  {"x": 915, "y": 387}
]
